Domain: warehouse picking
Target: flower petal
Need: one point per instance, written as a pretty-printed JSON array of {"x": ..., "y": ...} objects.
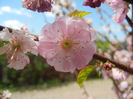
[
  {"x": 19, "y": 62},
  {"x": 47, "y": 49},
  {"x": 5, "y": 35},
  {"x": 4, "y": 49}
]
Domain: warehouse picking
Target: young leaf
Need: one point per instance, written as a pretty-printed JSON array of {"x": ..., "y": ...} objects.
[
  {"x": 79, "y": 14},
  {"x": 84, "y": 73}
]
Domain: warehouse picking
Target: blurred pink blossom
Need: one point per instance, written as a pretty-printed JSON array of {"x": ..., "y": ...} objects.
[
  {"x": 129, "y": 42},
  {"x": 123, "y": 56},
  {"x": 90, "y": 97},
  {"x": 38, "y": 5},
  {"x": 104, "y": 74},
  {"x": 120, "y": 9},
  {"x": 67, "y": 44},
  {"x": 123, "y": 85},
  {"x": 5, "y": 95},
  {"x": 131, "y": 64},
  {"x": 118, "y": 74},
  {"x": 19, "y": 44}
]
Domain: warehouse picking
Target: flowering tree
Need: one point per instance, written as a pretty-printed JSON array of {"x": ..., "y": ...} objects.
[{"x": 69, "y": 44}]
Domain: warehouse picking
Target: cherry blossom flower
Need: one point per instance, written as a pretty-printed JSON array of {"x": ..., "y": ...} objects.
[
  {"x": 123, "y": 85},
  {"x": 38, "y": 5},
  {"x": 19, "y": 44},
  {"x": 123, "y": 56},
  {"x": 67, "y": 44},
  {"x": 131, "y": 64},
  {"x": 118, "y": 74},
  {"x": 5, "y": 95},
  {"x": 120, "y": 9},
  {"x": 62, "y": 7}
]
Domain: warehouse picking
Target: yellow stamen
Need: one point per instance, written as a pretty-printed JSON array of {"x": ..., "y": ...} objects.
[{"x": 66, "y": 44}]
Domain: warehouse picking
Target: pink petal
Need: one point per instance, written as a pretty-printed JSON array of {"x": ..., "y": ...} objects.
[
  {"x": 5, "y": 35},
  {"x": 47, "y": 49},
  {"x": 61, "y": 62},
  {"x": 48, "y": 34},
  {"x": 4, "y": 49},
  {"x": 19, "y": 62},
  {"x": 83, "y": 55}
]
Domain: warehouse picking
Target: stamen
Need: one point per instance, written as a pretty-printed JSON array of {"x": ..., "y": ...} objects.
[{"x": 66, "y": 44}]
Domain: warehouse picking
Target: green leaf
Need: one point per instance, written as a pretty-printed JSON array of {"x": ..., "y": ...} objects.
[
  {"x": 84, "y": 73},
  {"x": 2, "y": 43},
  {"x": 79, "y": 14}
]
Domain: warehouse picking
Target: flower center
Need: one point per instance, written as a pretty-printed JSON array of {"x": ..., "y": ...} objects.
[
  {"x": 66, "y": 44},
  {"x": 15, "y": 48},
  {"x": 16, "y": 45}
]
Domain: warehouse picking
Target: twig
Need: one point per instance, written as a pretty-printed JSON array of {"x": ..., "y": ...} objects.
[
  {"x": 129, "y": 1},
  {"x": 129, "y": 21},
  {"x": 117, "y": 64},
  {"x": 2, "y": 27}
]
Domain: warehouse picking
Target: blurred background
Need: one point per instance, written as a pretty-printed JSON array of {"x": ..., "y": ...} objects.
[{"x": 39, "y": 80}]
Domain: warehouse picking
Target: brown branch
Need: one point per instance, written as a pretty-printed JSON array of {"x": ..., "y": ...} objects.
[
  {"x": 2, "y": 27},
  {"x": 117, "y": 64},
  {"x": 99, "y": 57},
  {"x": 129, "y": 21},
  {"x": 129, "y": 1},
  {"x": 35, "y": 37}
]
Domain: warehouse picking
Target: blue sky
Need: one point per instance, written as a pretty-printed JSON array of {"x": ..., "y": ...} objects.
[{"x": 13, "y": 15}]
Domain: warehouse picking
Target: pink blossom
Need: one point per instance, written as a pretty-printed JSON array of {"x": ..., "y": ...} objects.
[
  {"x": 120, "y": 9},
  {"x": 6, "y": 94},
  {"x": 38, "y": 5},
  {"x": 19, "y": 44},
  {"x": 67, "y": 44},
  {"x": 90, "y": 97},
  {"x": 123, "y": 56},
  {"x": 129, "y": 43},
  {"x": 131, "y": 64},
  {"x": 118, "y": 74},
  {"x": 113, "y": 3},
  {"x": 123, "y": 85},
  {"x": 104, "y": 74}
]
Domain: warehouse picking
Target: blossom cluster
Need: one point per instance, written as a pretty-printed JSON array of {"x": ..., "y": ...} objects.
[
  {"x": 19, "y": 43},
  {"x": 119, "y": 7},
  {"x": 67, "y": 44}
]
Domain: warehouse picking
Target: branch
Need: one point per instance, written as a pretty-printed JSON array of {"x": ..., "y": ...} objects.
[
  {"x": 2, "y": 27},
  {"x": 117, "y": 64},
  {"x": 97, "y": 56},
  {"x": 129, "y": 21},
  {"x": 129, "y": 1}
]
